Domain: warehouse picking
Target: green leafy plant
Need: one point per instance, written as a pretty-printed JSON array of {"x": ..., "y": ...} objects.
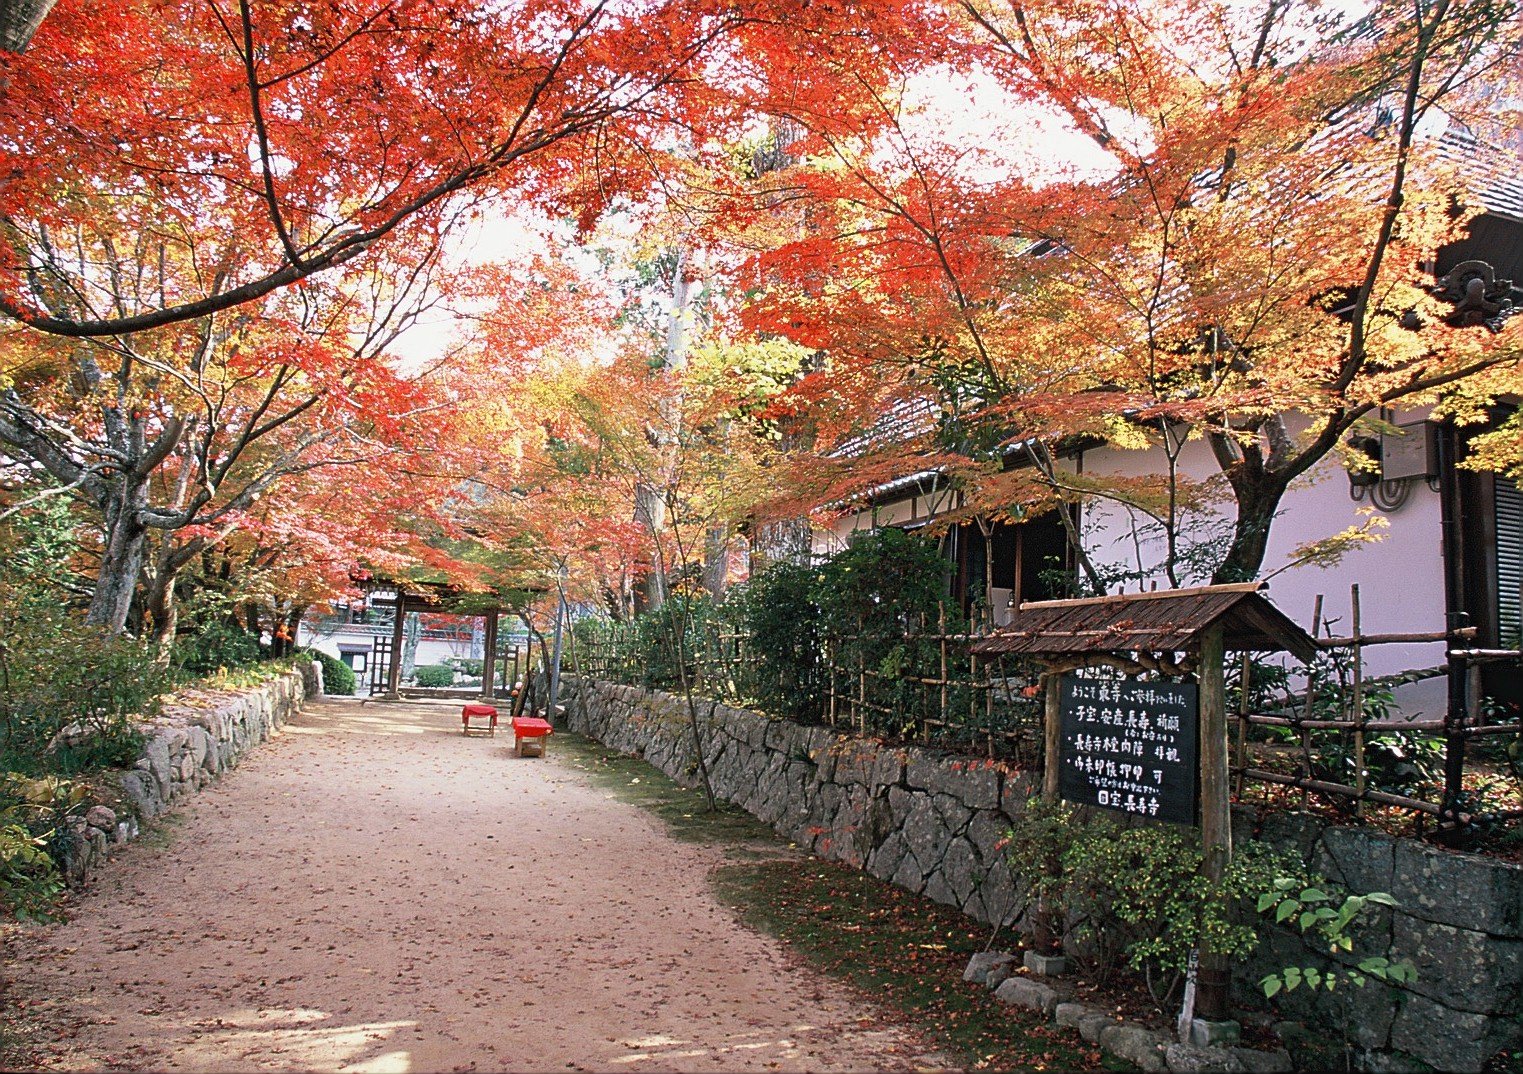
[
  {"x": 434, "y": 675},
  {"x": 1318, "y": 912},
  {"x": 338, "y": 677},
  {"x": 29, "y": 881},
  {"x": 214, "y": 644},
  {"x": 1124, "y": 894},
  {"x": 33, "y": 817}
]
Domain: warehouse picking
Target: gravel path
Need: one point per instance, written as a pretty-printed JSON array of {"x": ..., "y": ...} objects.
[{"x": 372, "y": 891}]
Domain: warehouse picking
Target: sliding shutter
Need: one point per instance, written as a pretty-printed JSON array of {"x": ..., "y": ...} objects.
[{"x": 1509, "y": 534}]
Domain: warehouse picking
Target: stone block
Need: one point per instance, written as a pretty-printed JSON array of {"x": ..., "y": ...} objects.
[
  {"x": 938, "y": 890},
  {"x": 141, "y": 793},
  {"x": 1257, "y": 1062},
  {"x": 102, "y": 817},
  {"x": 1291, "y": 831},
  {"x": 909, "y": 875},
  {"x": 954, "y": 815},
  {"x": 1468, "y": 970},
  {"x": 885, "y": 861},
  {"x": 1045, "y": 965},
  {"x": 959, "y": 867},
  {"x": 1465, "y": 890},
  {"x": 1143, "y": 1048},
  {"x": 1194, "y": 1059},
  {"x": 979, "y": 787},
  {"x": 888, "y": 771},
  {"x": 999, "y": 975},
  {"x": 1033, "y": 995},
  {"x": 1445, "y": 1039},
  {"x": 1359, "y": 859},
  {"x": 988, "y": 831},
  {"x": 1093, "y": 1024},
  {"x": 997, "y": 895},
  {"x": 1392, "y": 1063},
  {"x": 1205, "y": 1033},
  {"x": 980, "y": 964},
  {"x": 1072, "y": 1013},
  {"x": 925, "y": 833}
]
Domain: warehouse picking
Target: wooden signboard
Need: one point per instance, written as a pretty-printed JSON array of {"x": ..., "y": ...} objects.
[{"x": 1131, "y": 746}]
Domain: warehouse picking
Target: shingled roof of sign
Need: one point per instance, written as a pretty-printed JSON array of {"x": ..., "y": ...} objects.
[{"x": 1170, "y": 620}]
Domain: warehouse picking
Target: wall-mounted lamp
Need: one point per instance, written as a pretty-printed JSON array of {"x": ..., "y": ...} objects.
[{"x": 1363, "y": 477}]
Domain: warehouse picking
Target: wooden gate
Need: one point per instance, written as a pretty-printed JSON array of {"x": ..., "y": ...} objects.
[{"x": 380, "y": 663}]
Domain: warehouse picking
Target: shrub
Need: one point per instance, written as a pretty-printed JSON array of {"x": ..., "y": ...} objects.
[
  {"x": 32, "y": 822},
  {"x": 338, "y": 677},
  {"x": 1135, "y": 895},
  {"x": 434, "y": 675},
  {"x": 778, "y": 615},
  {"x": 214, "y": 645},
  {"x": 468, "y": 666},
  {"x": 69, "y": 694}
]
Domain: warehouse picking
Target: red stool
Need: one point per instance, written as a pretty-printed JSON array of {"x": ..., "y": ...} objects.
[
  {"x": 529, "y": 736},
  {"x": 478, "y": 712}
]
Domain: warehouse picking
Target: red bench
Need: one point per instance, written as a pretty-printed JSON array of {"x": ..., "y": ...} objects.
[
  {"x": 478, "y": 712},
  {"x": 529, "y": 736}
]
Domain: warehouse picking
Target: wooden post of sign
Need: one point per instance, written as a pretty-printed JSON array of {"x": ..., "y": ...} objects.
[
  {"x": 1052, "y": 736},
  {"x": 1211, "y": 1000},
  {"x": 394, "y": 670}
]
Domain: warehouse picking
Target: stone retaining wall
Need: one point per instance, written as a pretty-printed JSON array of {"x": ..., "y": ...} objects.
[
  {"x": 934, "y": 823},
  {"x": 184, "y": 749}
]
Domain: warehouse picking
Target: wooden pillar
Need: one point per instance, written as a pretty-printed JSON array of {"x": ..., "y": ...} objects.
[
  {"x": 1211, "y": 999},
  {"x": 394, "y": 671},
  {"x": 489, "y": 657},
  {"x": 1052, "y": 736}
]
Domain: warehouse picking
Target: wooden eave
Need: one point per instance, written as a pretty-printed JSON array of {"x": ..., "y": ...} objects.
[{"x": 1166, "y": 621}]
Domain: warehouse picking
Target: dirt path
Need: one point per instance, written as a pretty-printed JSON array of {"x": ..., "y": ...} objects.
[{"x": 374, "y": 892}]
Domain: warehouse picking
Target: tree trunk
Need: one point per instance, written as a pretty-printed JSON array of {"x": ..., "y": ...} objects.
[
  {"x": 716, "y": 561},
  {"x": 19, "y": 21},
  {"x": 121, "y": 561},
  {"x": 163, "y": 613},
  {"x": 1258, "y": 501}
]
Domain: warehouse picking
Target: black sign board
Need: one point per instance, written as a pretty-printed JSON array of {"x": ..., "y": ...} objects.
[{"x": 1130, "y": 746}]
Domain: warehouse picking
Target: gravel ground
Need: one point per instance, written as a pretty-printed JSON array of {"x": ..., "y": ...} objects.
[{"x": 373, "y": 891}]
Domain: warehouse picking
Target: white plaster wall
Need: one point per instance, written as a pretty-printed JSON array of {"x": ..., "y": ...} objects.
[{"x": 1400, "y": 577}]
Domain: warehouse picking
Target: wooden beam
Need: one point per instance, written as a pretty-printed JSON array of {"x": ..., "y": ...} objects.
[
  {"x": 1052, "y": 737},
  {"x": 1211, "y": 997}
]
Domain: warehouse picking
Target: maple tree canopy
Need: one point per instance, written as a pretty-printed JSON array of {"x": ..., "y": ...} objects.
[{"x": 255, "y": 144}]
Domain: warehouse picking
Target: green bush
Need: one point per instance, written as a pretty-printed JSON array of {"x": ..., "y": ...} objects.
[
  {"x": 56, "y": 674},
  {"x": 434, "y": 675},
  {"x": 338, "y": 677},
  {"x": 214, "y": 645},
  {"x": 32, "y": 823},
  {"x": 468, "y": 666},
  {"x": 778, "y": 615},
  {"x": 1135, "y": 895}
]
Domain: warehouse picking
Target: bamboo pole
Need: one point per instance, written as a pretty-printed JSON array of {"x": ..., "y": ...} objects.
[
  {"x": 1357, "y": 700},
  {"x": 941, "y": 633},
  {"x": 1311, "y": 695},
  {"x": 1245, "y": 683}
]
